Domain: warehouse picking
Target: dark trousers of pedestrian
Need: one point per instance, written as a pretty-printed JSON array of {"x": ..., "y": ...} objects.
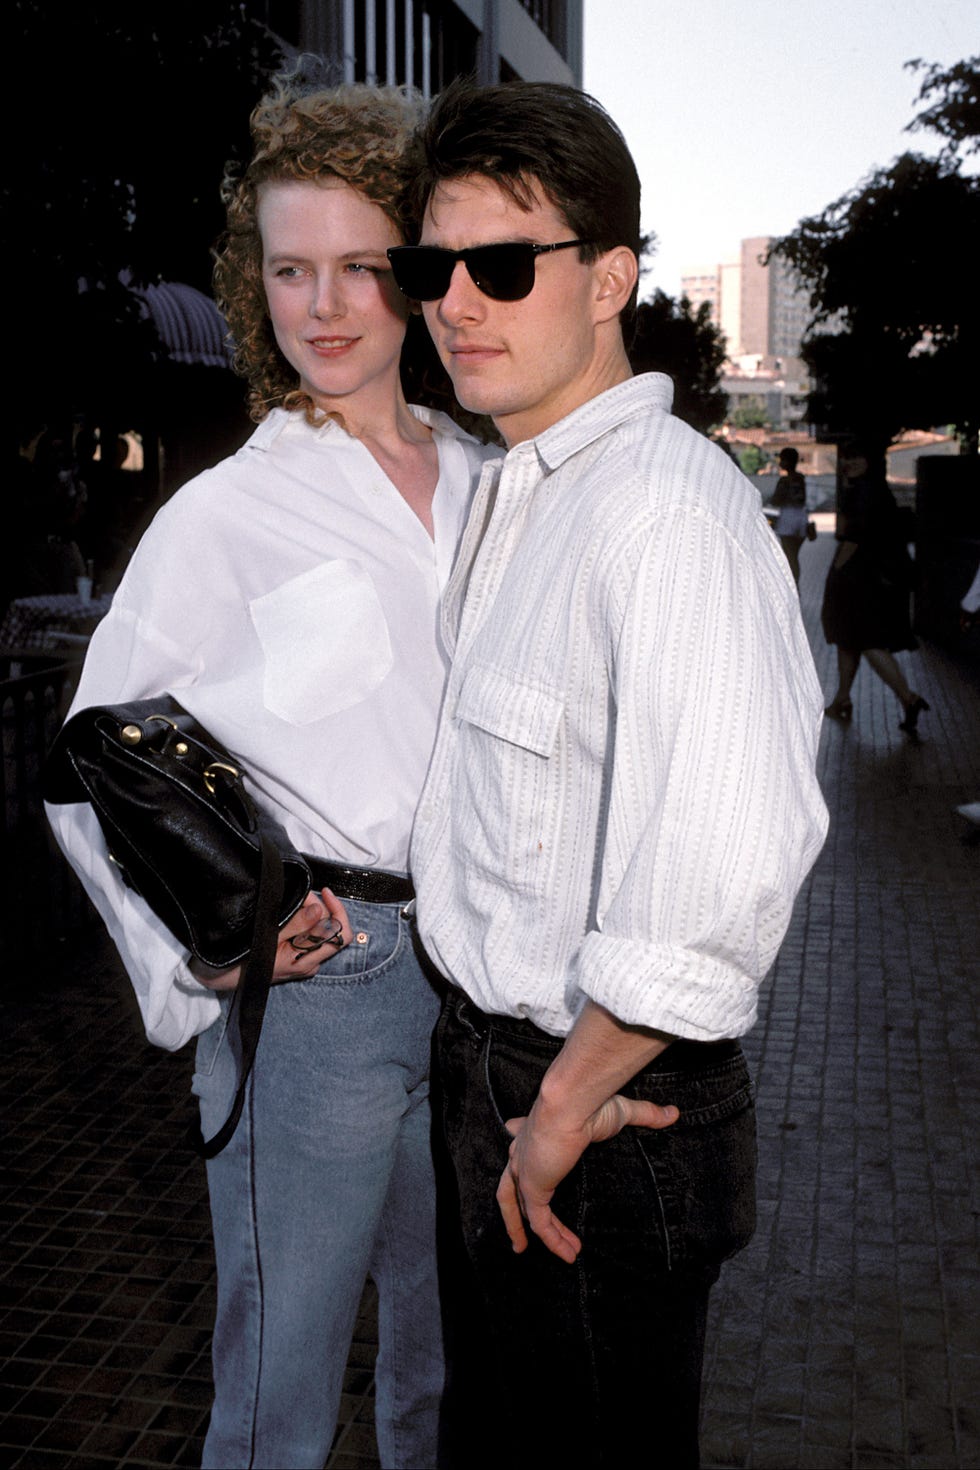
[{"x": 598, "y": 1364}]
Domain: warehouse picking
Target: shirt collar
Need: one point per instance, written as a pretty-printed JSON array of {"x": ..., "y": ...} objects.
[
  {"x": 279, "y": 420},
  {"x": 441, "y": 423},
  {"x": 268, "y": 431},
  {"x": 639, "y": 395}
]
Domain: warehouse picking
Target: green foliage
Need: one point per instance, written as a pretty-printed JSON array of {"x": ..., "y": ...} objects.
[
  {"x": 750, "y": 414},
  {"x": 751, "y": 459},
  {"x": 685, "y": 344}
]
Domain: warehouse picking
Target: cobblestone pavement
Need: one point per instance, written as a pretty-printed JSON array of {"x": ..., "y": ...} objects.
[{"x": 844, "y": 1336}]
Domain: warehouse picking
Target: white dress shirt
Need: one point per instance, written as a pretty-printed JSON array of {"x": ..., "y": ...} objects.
[
  {"x": 622, "y": 803},
  {"x": 289, "y": 599}
]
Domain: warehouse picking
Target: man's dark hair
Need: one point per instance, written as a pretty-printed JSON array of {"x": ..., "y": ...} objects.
[
  {"x": 789, "y": 457},
  {"x": 520, "y": 134}
]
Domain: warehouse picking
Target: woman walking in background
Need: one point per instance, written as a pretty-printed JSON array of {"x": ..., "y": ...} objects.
[
  {"x": 789, "y": 497},
  {"x": 866, "y": 596}
]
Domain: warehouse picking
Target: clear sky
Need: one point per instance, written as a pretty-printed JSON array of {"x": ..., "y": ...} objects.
[{"x": 745, "y": 116}]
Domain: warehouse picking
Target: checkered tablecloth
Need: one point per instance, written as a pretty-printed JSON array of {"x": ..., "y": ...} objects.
[{"x": 40, "y": 622}]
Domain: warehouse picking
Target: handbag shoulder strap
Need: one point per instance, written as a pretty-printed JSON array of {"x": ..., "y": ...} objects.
[{"x": 252, "y": 993}]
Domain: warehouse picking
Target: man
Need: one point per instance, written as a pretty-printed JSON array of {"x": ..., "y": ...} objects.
[{"x": 622, "y": 803}]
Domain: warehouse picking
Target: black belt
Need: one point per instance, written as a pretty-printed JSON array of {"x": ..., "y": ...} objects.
[{"x": 368, "y": 885}]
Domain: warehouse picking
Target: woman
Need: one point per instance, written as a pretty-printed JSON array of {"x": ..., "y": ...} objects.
[
  {"x": 789, "y": 498},
  {"x": 289, "y": 597},
  {"x": 866, "y": 596}
]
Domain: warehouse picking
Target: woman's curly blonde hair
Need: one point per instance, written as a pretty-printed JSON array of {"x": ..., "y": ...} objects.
[{"x": 353, "y": 132}]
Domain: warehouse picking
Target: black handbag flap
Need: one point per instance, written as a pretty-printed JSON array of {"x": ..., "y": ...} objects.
[{"x": 177, "y": 818}]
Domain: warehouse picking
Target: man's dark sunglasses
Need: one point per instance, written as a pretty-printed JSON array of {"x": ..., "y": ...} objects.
[{"x": 503, "y": 272}]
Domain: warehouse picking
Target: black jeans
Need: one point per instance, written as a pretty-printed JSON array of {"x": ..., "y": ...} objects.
[{"x": 599, "y": 1363}]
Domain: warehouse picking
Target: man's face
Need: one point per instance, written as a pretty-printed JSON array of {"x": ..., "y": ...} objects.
[{"x": 525, "y": 363}]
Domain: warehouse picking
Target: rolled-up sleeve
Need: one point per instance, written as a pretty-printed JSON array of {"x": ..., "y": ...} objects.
[{"x": 715, "y": 815}]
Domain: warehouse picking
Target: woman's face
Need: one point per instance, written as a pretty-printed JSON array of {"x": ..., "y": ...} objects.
[{"x": 338, "y": 317}]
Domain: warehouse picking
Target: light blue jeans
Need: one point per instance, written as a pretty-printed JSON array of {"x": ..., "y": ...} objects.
[{"x": 327, "y": 1179}]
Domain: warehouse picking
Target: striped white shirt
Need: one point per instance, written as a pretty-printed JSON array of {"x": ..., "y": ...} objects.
[{"x": 622, "y": 802}]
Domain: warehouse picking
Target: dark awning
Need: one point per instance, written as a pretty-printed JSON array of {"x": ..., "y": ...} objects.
[{"x": 188, "y": 323}]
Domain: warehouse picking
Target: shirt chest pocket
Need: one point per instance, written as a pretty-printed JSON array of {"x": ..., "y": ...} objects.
[
  {"x": 325, "y": 642},
  {"x": 511, "y": 768}
]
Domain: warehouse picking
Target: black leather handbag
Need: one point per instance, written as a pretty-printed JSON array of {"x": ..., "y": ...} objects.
[{"x": 185, "y": 834}]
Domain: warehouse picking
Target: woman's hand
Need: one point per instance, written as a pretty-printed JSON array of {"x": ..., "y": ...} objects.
[{"x": 316, "y": 931}]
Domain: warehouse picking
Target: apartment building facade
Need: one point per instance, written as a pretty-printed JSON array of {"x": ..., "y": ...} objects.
[
  {"x": 428, "y": 42},
  {"x": 764, "y": 315},
  {"x": 757, "y": 304}
]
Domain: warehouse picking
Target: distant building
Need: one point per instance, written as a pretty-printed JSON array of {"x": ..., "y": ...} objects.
[
  {"x": 428, "y": 42},
  {"x": 778, "y": 397},
  {"x": 758, "y": 306},
  {"x": 763, "y": 315},
  {"x": 729, "y": 313},
  {"x": 701, "y": 284}
]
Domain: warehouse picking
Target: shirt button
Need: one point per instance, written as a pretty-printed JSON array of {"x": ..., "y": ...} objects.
[{"x": 361, "y": 938}]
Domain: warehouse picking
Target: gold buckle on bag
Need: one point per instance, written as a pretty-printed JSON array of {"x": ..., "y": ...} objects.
[{"x": 208, "y": 774}]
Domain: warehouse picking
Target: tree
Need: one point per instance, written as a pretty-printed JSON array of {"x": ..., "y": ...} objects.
[
  {"x": 751, "y": 459},
  {"x": 955, "y": 114},
  {"x": 750, "y": 414},
  {"x": 672, "y": 338},
  {"x": 890, "y": 269},
  {"x": 131, "y": 114}
]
